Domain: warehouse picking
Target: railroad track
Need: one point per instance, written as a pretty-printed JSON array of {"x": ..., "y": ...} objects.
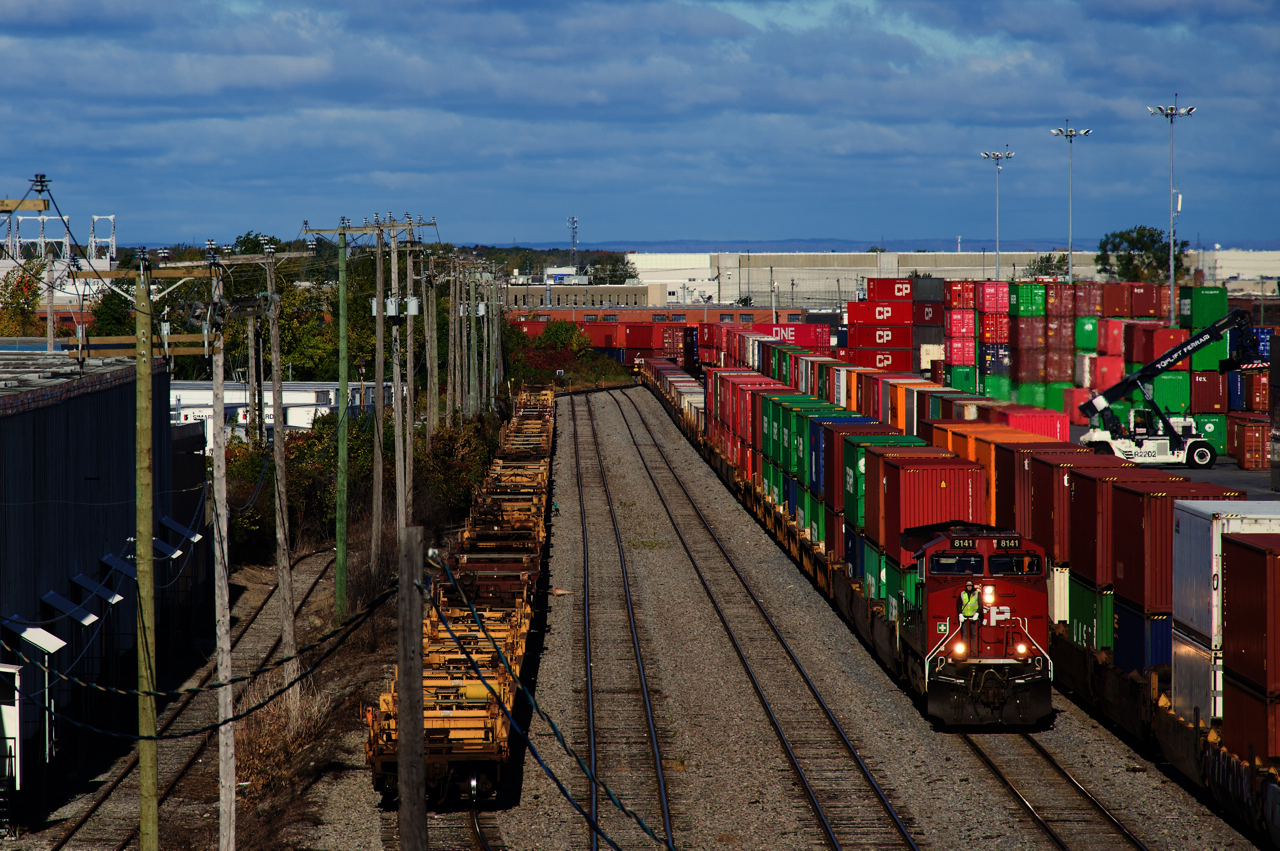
[
  {"x": 476, "y": 830},
  {"x": 1054, "y": 800},
  {"x": 111, "y": 819},
  {"x": 849, "y": 805},
  {"x": 617, "y": 691}
]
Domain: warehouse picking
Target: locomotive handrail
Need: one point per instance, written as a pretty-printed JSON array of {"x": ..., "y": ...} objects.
[
  {"x": 941, "y": 643},
  {"x": 1026, "y": 630}
]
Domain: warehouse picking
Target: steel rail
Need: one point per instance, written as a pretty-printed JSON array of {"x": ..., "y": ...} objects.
[
  {"x": 1098, "y": 805},
  {"x": 1008, "y": 784},
  {"x": 477, "y": 832},
  {"x": 755, "y": 598},
  {"x": 184, "y": 702},
  {"x": 586, "y": 626},
  {"x": 635, "y": 637}
]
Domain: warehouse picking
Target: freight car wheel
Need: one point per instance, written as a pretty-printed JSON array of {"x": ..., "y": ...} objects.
[{"x": 1201, "y": 456}]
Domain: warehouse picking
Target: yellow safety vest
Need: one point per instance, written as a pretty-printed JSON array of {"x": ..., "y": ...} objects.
[{"x": 969, "y": 604}]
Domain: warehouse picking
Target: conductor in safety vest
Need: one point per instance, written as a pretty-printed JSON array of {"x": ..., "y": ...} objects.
[{"x": 969, "y": 608}]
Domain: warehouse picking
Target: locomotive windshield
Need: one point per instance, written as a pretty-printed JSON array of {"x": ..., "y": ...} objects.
[
  {"x": 956, "y": 563},
  {"x": 1015, "y": 564}
]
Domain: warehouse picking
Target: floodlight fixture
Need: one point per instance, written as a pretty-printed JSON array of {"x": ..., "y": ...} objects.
[
  {"x": 193, "y": 537},
  {"x": 62, "y": 604},
  {"x": 1070, "y": 135},
  {"x": 97, "y": 589},
  {"x": 45, "y": 641},
  {"x": 996, "y": 157},
  {"x": 1172, "y": 114},
  {"x": 120, "y": 566}
]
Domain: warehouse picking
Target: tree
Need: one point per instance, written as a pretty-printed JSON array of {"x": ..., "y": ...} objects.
[
  {"x": 613, "y": 269},
  {"x": 20, "y": 290},
  {"x": 112, "y": 315},
  {"x": 1139, "y": 254},
  {"x": 1046, "y": 266}
]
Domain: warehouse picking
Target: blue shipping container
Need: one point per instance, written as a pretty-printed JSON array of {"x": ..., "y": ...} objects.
[
  {"x": 994, "y": 359},
  {"x": 842, "y": 336},
  {"x": 1235, "y": 391},
  {"x": 789, "y": 485},
  {"x": 1264, "y": 342},
  {"x": 817, "y": 446},
  {"x": 1141, "y": 641}
]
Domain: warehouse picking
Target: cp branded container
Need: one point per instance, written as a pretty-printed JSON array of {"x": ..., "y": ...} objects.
[{"x": 1142, "y": 540}]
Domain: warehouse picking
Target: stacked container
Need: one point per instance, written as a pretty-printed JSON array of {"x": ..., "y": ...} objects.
[
  {"x": 926, "y": 320},
  {"x": 960, "y": 356},
  {"x": 887, "y": 312},
  {"x": 1251, "y": 645},
  {"x": 1028, "y": 340},
  {"x": 993, "y": 322}
]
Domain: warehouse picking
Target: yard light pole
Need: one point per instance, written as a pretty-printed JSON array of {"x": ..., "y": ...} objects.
[
  {"x": 996, "y": 157},
  {"x": 1070, "y": 135},
  {"x": 1172, "y": 114}
]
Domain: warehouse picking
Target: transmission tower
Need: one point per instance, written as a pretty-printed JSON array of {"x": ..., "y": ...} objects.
[{"x": 573, "y": 243}]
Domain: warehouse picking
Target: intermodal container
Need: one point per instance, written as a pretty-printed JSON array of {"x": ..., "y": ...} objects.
[
  {"x": 1059, "y": 300},
  {"x": 1164, "y": 339},
  {"x": 1023, "y": 514},
  {"x": 830, "y": 460},
  {"x": 1142, "y": 540},
  {"x": 882, "y": 337},
  {"x": 1026, "y": 299},
  {"x": 1199, "y": 307},
  {"x": 888, "y": 289},
  {"x": 1250, "y": 721},
  {"x": 1007, "y": 459},
  {"x": 927, "y": 313},
  {"x": 1086, "y": 333},
  {"x": 822, "y": 432},
  {"x": 1198, "y": 580},
  {"x": 1027, "y": 332},
  {"x": 993, "y": 327},
  {"x": 959, "y": 294},
  {"x": 1088, "y": 300},
  {"x": 1144, "y": 300},
  {"x": 852, "y": 497},
  {"x": 959, "y": 322},
  {"x": 1111, "y": 337},
  {"x": 1251, "y": 610},
  {"x": 1142, "y": 639},
  {"x": 991, "y": 297},
  {"x": 1060, "y": 332},
  {"x": 1091, "y": 619},
  {"x": 1051, "y": 424},
  {"x": 1091, "y": 516},
  {"x": 1117, "y": 300},
  {"x": 880, "y": 312},
  {"x": 890, "y": 360},
  {"x": 1208, "y": 393},
  {"x": 1109, "y": 371},
  {"x": 798, "y": 333},
  {"x": 1059, "y": 366},
  {"x": 874, "y": 459},
  {"x": 1049, "y": 499},
  {"x": 927, "y": 289},
  {"x": 918, "y": 491}
]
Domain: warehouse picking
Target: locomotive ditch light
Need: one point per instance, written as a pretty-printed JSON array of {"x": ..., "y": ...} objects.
[
  {"x": 958, "y": 649},
  {"x": 1022, "y": 649}
]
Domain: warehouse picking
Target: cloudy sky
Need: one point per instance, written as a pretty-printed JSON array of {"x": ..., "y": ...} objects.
[{"x": 647, "y": 119}]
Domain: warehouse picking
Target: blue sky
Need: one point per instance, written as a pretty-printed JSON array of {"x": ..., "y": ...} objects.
[{"x": 743, "y": 120}]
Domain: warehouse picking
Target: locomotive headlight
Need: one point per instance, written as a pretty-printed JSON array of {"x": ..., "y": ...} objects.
[
  {"x": 988, "y": 594},
  {"x": 1022, "y": 649}
]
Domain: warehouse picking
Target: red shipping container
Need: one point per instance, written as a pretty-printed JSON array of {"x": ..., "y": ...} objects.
[
  {"x": 1021, "y": 490},
  {"x": 806, "y": 334},
  {"x": 1111, "y": 337},
  {"x": 993, "y": 327},
  {"x": 875, "y": 458},
  {"x": 1144, "y": 300},
  {"x": 1208, "y": 393},
  {"x": 879, "y": 313},
  {"x": 884, "y": 337},
  {"x": 833, "y": 445},
  {"x": 1091, "y": 516},
  {"x": 1257, "y": 391},
  {"x": 604, "y": 335},
  {"x": 1250, "y": 722},
  {"x": 959, "y": 294},
  {"x": 1088, "y": 299},
  {"x": 1164, "y": 339},
  {"x": 1143, "y": 513},
  {"x": 1251, "y": 611},
  {"x": 889, "y": 289},
  {"x": 1236, "y": 420},
  {"x": 1027, "y": 332},
  {"x": 1049, "y": 501},
  {"x": 892, "y": 360},
  {"x": 1060, "y": 333},
  {"x": 1108, "y": 371},
  {"x": 938, "y": 371},
  {"x": 1007, "y": 459},
  {"x": 927, "y": 313},
  {"x": 1059, "y": 365},
  {"x": 1059, "y": 300},
  {"x": 642, "y": 335},
  {"x": 1138, "y": 342},
  {"x": 919, "y": 491},
  {"x": 1027, "y": 366},
  {"x": 1253, "y": 445},
  {"x": 531, "y": 328},
  {"x": 991, "y": 297},
  {"x": 1040, "y": 421},
  {"x": 1117, "y": 300},
  {"x": 960, "y": 351},
  {"x": 1072, "y": 399},
  {"x": 960, "y": 323}
]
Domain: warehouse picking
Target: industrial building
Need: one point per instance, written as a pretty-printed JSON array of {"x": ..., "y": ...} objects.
[{"x": 67, "y": 581}]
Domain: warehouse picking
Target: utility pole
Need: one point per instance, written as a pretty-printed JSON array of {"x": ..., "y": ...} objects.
[
  {"x": 473, "y": 350},
  {"x": 379, "y": 377},
  {"x": 451, "y": 361},
  {"x": 408, "y": 377},
  {"x": 48, "y": 286},
  {"x": 251, "y": 380},
  {"x": 221, "y": 581},
  {"x": 412, "y": 771},
  {"x": 432, "y": 353},
  {"x": 284, "y": 576},
  {"x": 148, "y": 799},
  {"x": 397, "y": 402}
]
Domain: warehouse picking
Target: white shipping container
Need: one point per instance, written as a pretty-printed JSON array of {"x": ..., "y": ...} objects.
[
  {"x": 1197, "y": 679},
  {"x": 1086, "y": 363},
  {"x": 1198, "y": 528},
  {"x": 1059, "y": 582}
]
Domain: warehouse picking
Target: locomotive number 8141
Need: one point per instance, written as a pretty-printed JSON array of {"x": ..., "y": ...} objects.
[{"x": 975, "y": 641}]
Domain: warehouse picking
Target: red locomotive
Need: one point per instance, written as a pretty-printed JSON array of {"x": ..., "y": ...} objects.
[{"x": 1003, "y": 678}]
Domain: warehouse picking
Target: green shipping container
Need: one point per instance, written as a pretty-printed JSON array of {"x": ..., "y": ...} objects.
[
  {"x": 1172, "y": 392},
  {"x": 1026, "y": 300},
  {"x": 1214, "y": 429},
  {"x": 962, "y": 378},
  {"x": 770, "y": 478},
  {"x": 1208, "y": 358},
  {"x": 1086, "y": 333},
  {"x": 855, "y": 468},
  {"x": 901, "y": 582},
  {"x": 1199, "y": 307},
  {"x": 1031, "y": 394},
  {"x": 1053, "y": 392},
  {"x": 1090, "y": 614},
  {"x": 935, "y": 401},
  {"x": 872, "y": 571},
  {"x": 998, "y": 387},
  {"x": 795, "y": 427}
]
